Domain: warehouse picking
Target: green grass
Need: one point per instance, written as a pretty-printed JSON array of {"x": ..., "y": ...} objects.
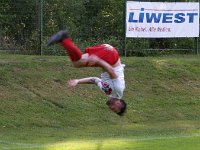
[
  {"x": 178, "y": 143},
  {"x": 38, "y": 112}
]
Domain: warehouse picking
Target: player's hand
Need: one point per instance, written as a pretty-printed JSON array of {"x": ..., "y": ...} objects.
[{"x": 72, "y": 83}]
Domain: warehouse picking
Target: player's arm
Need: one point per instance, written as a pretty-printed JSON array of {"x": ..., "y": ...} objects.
[
  {"x": 94, "y": 60},
  {"x": 89, "y": 80}
]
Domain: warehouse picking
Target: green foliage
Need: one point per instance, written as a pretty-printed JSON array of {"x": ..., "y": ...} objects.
[
  {"x": 89, "y": 21},
  {"x": 158, "y": 47},
  {"x": 19, "y": 26}
]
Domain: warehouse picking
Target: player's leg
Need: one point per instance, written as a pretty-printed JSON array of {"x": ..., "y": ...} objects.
[{"x": 74, "y": 52}]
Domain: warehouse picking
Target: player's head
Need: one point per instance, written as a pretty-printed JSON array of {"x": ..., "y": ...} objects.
[{"x": 117, "y": 105}]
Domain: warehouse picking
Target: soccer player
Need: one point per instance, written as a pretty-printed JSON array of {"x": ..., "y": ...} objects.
[{"x": 104, "y": 56}]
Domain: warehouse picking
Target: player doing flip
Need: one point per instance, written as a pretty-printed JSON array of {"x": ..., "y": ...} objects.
[{"x": 105, "y": 56}]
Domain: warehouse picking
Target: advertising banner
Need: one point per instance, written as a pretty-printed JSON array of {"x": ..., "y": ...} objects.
[{"x": 161, "y": 19}]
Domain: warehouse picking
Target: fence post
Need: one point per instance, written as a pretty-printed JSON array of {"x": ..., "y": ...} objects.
[
  {"x": 198, "y": 37},
  {"x": 124, "y": 45},
  {"x": 41, "y": 26},
  {"x": 197, "y": 45}
]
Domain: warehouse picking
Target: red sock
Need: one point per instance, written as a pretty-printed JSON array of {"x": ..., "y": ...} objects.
[{"x": 73, "y": 51}]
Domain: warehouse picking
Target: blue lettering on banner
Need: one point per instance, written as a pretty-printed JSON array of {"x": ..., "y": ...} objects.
[{"x": 166, "y": 17}]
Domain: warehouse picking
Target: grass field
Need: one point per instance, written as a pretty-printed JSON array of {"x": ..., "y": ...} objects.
[{"x": 37, "y": 111}]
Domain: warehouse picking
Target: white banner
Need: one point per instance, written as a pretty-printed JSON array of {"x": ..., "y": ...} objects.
[{"x": 157, "y": 19}]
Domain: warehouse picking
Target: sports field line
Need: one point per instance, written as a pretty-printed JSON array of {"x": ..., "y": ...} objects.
[{"x": 28, "y": 145}]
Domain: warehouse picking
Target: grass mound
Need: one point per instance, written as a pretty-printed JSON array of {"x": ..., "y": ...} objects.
[{"x": 163, "y": 96}]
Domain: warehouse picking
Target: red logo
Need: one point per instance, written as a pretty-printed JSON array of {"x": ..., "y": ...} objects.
[{"x": 106, "y": 88}]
